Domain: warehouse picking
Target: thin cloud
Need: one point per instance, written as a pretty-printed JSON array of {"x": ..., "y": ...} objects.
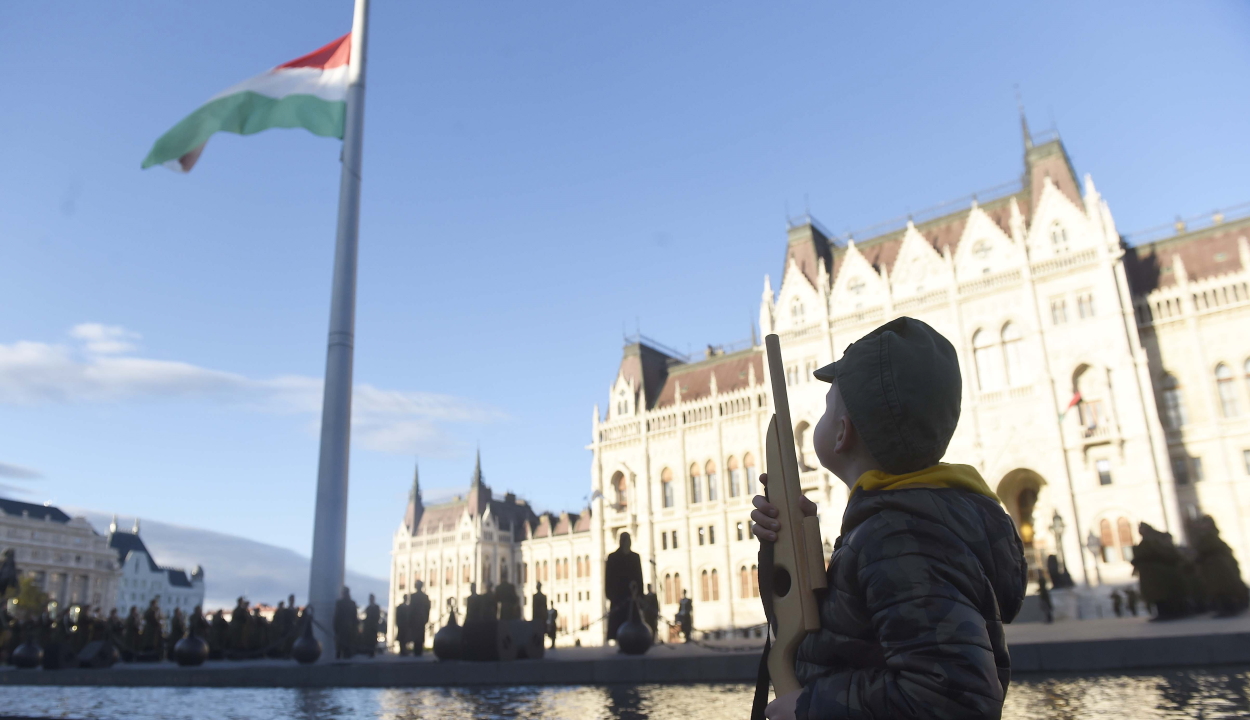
[
  {"x": 100, "y": 367},
  {"x": 105, "y": 339},
  {"x": 18, "y": 472}
]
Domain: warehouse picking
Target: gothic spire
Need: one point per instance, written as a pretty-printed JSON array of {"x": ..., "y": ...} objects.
[
  {"x": 477, "y": 470},
  {"x": 1024, "y": 123},
  {"x": 415, "y": 493}
]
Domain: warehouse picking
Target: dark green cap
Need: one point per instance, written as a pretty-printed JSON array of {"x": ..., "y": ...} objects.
[{"x": 902, "y": 389}]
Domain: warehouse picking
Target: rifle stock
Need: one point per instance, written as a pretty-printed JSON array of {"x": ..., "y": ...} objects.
[{"x": 798, "y": 557}]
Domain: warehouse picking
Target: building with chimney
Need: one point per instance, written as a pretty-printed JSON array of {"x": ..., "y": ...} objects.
[
  {"x": 142, "y": 579},
  {"x": 66, "y": 557}
]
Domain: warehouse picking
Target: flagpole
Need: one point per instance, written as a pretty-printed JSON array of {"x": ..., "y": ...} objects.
[{"x": 330, "y": 524}]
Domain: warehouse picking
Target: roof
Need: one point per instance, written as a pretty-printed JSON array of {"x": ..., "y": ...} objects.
[
  {"x": 732, "y": 372},
  {"x": 35, "y": 512},
  {"x": 125, "y": 543},
  {"x": 1204, "y": 253},
  {"x": 646, "y": 367},
  {"x": 1047, "y": 159},
  {"x": 178, "y": 578}
]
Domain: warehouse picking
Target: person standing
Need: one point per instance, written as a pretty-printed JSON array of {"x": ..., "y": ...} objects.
[
  {"x": 403, "y": 632},
  {"x": 509, "y": 604},
  {"x": 238, "y": 626},
  {"x": 1131, "y": 596},
  {"x": 1158, "y": 562},
  {"x": 152, "y": 630},
  {"x": 418, "y": 613},
  {"x": 345, "y": 625},
  {"x": 373, "y": 615},
  {"x": 685, "y": 615},
  {"x": 538, "y": 612},
  {"x": 219, "y": 635},
  {"x": 177, "y": 629},
  {"x": 552, "y": 616},
  {"x": 622, "y": 570},
  {"x": 1117, "y": 603},
  {"x": 651, "y": 610}
]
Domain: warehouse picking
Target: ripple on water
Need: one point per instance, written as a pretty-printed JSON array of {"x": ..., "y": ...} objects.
[{"x": 1201, "y": 694}]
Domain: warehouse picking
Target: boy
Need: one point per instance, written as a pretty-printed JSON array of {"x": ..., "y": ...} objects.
[{"x": 928, "y": 566}]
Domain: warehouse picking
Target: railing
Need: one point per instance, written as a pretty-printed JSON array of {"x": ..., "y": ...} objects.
[
  {"x": 1097, "y": 432},
  {"x": 933, "y": 212},
  {"x": 1180, "y": 226},
  {"x": 989, "y": 282},
  {"x": 1063, "y": 262},
  {"x": 928, "y": 298},
  {"x": 873, "y": 314}
]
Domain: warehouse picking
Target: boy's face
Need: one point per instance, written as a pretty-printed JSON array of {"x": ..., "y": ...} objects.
[{"x": 826, "y": 436}]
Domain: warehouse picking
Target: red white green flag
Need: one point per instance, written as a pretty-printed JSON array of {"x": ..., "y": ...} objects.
[{"x": 308, "y": 92}]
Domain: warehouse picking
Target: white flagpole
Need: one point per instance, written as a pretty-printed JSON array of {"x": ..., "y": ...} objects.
[{"x": 330, "y": 525}]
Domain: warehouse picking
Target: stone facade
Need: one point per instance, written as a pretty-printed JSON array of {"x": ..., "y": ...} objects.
[
  {"x": 66, "y": 557},
  {"x": 142, "y": 579},
  {"x": 1104, "y": 384}
]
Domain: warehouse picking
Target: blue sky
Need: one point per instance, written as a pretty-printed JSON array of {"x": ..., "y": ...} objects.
[{"x": 538, "y": 176}]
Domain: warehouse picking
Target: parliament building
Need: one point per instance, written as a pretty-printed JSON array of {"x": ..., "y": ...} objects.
[{"x": 1106, "y": 382}]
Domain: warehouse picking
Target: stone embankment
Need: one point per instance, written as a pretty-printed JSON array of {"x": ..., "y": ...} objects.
[{"x": 1077, "y": 646}]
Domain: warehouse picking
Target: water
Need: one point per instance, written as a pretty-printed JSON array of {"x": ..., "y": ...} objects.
[{"x": 1205, "y": 694}]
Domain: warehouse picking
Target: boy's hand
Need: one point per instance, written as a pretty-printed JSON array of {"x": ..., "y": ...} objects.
[
  {"x": 783, "y": 707},
  {"x": 764, "y": 516}
]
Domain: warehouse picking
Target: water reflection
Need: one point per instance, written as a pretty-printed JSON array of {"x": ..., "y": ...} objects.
[{"x": 1201, "y": 694}]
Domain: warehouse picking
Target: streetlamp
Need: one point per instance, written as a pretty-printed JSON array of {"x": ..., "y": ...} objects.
[
  {"x": 1094, "y": 543},
  {"x": 1056, "y": 528}
]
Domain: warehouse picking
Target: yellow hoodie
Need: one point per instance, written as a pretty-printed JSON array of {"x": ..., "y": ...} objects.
[{"x": 942, "y": 475}]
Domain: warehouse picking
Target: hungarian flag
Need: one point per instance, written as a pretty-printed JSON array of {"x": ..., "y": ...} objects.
[{"x": 308, "y": 92}]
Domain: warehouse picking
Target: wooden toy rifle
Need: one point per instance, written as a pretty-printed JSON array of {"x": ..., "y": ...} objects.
[{"x": 792, "y": 568}]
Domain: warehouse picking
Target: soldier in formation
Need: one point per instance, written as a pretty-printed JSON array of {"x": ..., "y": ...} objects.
[
  {"x": 685, "y": 615},
  {"x": 418, "y": 618},
  {"x": 369, "y": 629},
  {"x": 346, "y": 625}
]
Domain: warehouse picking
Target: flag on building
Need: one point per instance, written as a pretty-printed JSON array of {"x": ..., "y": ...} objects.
[
  {"x": 308, "y": 92},
  {"x": 1076, "y": 399}
]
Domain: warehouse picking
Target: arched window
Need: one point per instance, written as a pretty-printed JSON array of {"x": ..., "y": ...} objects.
[
  {"x": 1173, "y": 408},
  {"x": 797, "y": 312},
  {"x": 1107, "y": 539},
  {"x": 666, "y": 487},
  {"x": 706, "y": 593},
  {"x": 1058, "y": 238},
  {"x": 755, "y": 581},
  {"x": 1228, "y": 393},
  {"x": 752, "y": 478},
  {"x": 715, "y": 581},
  {"x": 620, "y": 490},
  {"x": 713, "y": 480},
  {"x": 1117, "y": 544},
  {"x": 1013, "y": 354},
  {"x": 744, "y": 582},
  {"x": 735, "y": 477},
  {"x": 668, "y": 589},
  {"x": 696, "y": 484},
  {"x": 676, "y": 586},
  {"x": 983, "y": 358},
  {"x": 1125, "y": 532}
]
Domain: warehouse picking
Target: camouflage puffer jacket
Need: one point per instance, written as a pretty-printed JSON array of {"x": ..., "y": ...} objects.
[{"x": 920, "y": 584}]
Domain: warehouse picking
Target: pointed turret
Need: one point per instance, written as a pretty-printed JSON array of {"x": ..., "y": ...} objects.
[
  {"x": 135, "y": 530},
  {"x": 479, "y": 491},
  {"x": 412, "y": 515},
  {"x": 113, "y": 525}
]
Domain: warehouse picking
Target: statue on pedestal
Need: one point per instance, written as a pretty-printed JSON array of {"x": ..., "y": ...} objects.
[{"x": 622, "y": 568}]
